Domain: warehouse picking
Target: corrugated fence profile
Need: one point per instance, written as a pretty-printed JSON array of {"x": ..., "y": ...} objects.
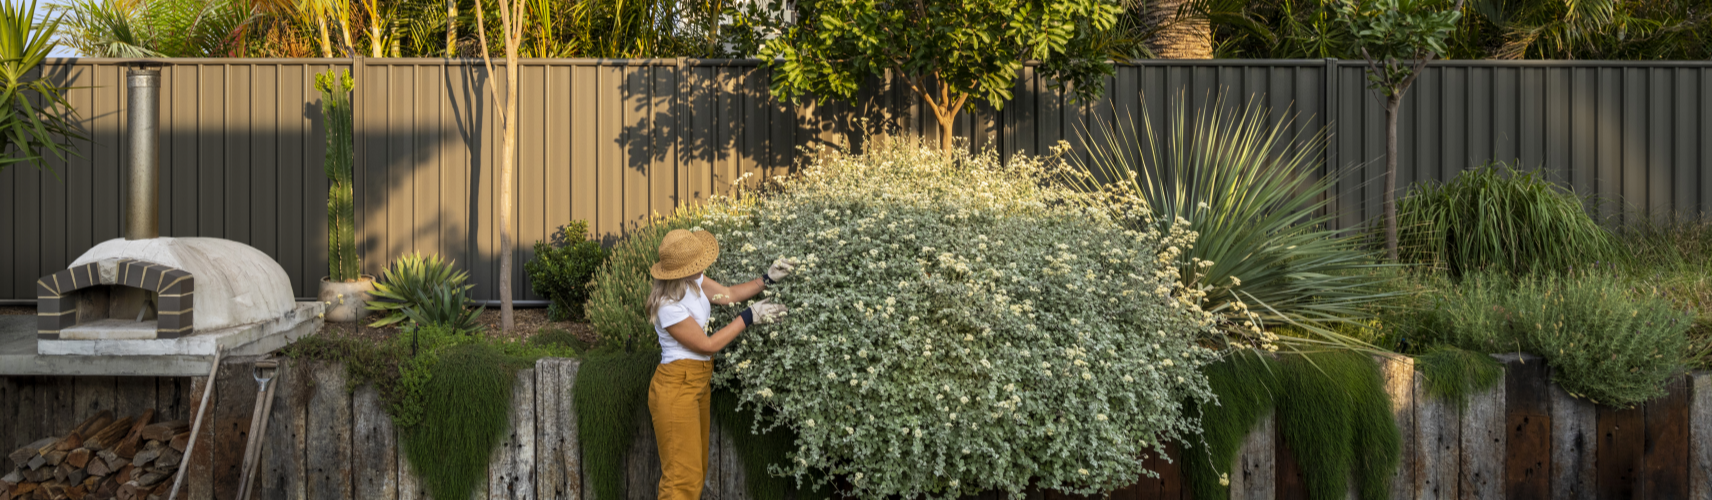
[{"x": 616, "y": 141}]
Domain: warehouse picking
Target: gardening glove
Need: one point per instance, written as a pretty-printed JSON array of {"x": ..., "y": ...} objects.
[
  {"x": 762, "y": 313},
  {"x": 781, "y": 268}
]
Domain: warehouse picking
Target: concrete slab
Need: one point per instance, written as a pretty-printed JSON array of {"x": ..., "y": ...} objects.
[
  {"x": 110, "y": 329},
  {"x": 18, "y": 354},
  {"x": 257, "y": 338}
]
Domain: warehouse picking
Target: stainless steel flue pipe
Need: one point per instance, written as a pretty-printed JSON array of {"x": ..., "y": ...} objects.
[{"x": 142, "y": 156}]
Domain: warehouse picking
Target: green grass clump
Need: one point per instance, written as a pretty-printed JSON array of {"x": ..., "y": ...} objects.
[
  {"x": 1332, "y": 411},
  {"x": 467, "y": 401},
  {"x": 611, "y": 391},
  {"x": 1498, "y": 219},
  {"x": 1455, "y": 374}
]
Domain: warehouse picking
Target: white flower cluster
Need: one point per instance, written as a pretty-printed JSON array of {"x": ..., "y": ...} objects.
[{"x": 961, "y": 325}]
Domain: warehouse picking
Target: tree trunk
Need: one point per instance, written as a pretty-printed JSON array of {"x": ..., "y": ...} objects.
[
  {"x": 451, "y": 28},
  {"x": 1390, "y": 197},
  {"x": 326, "y": 39},
  {"x": 506, "y": 191},
  {"x": 946, "y": 121},
  {"x": 1179, "y": 37}
]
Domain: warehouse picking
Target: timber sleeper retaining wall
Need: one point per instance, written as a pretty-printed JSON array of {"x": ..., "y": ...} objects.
[{"x": 1524, "y": 438}]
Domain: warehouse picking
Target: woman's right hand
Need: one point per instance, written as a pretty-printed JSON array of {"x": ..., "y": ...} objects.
[{"x": 762, "y": 313}]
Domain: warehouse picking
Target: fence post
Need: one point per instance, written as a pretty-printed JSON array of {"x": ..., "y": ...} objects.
[{"x": 1328, "y": 82}]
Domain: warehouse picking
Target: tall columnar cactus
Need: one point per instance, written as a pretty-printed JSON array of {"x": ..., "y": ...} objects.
[{"x": 335, "y": 90}]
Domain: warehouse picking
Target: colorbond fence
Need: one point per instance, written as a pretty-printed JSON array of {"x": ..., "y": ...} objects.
[{"x": 615, "y": 141}]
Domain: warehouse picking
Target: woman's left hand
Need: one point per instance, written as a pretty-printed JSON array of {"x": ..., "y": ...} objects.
[{"x": 780, "y": 270}]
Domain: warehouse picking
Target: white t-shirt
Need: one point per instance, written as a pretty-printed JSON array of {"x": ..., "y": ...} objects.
[{"x": 693, "y": 305}]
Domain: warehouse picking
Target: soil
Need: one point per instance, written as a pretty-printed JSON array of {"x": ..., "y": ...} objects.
[
  {"x": 527, "y": 322},
  {"x": 17, "y": 310}
]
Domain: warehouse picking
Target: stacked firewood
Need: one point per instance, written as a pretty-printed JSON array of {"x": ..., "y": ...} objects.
[{"x": 131, "y": 458}]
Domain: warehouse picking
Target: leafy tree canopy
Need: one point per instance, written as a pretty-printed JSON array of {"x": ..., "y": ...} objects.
[{"x": 947, "y": 51}]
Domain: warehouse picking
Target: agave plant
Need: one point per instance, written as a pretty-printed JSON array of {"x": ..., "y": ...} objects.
[
  {"x": 412, "y": 282},
  {"x": 34, "y": 115},
  {"x": 445, "y": 305},
  {"x": 1255, "y": 194}
]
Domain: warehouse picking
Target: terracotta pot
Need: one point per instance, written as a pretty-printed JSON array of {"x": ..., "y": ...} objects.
[{"x": 345, "y": 300}]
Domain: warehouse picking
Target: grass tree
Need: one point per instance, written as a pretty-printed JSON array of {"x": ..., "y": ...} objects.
[
  {"x": 1397, "y": 38},
  {"x": 511, "y": 21},
  {"x": 948, "y": 51}
]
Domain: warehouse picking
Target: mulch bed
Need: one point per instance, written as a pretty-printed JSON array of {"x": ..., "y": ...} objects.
[{"x": 527, "y": 322}]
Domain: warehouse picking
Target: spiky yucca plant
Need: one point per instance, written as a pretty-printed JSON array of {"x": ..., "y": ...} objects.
[
  {"x": 1254, "y": 191},
  {"x": 420, "y": 283}
]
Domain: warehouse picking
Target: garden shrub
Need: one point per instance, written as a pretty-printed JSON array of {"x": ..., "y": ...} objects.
[
  {"x": 410, "y": 281},
  {"x": 1496, "y": 218},
  {"x": 961, "y": 325},
  {"x": 1607, "y": 340},
  {"x": 1331, "y": 409},
  {"x": 561, "y": 272},
  {"x": 1252, "y": 188}
]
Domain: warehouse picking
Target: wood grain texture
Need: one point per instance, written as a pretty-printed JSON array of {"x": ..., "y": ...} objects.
[
  {"x": 1700, "y": 432},
  {"x": 1574, "y": 437},
  {"x": 282, "y": 467},
  {"x": 1290, "y": 485},
  {"x": 1622, "y": 432},
  {"x": 1665, "y": 454},
  {"x": 558, "y": 458},
  {"x": 642, "y": 461},
  {"x": 374, "y": 451},
  {"x": 733, "y": 478},
  {"x": 511, "y": 474},
  {"x": 1438, "y": 444},
  {"x": 198, "y": 480},
  {"x": 1481, "y": 462},
  {"x": 1527, "y": 424},
  {"x": 1254, "y": 476},
  {"x": 1398, "y": 373},
  {"x": 234, "y": 401},
  {"x": 327, "y": 449},
  {"x": 410, "y": 485},
  {"x": 94, "y": 395}
]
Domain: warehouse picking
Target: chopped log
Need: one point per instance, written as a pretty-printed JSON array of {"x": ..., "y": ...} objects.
[
  {"x": 150, "y": 479},
  {"x": 41, "y": 475},
  {"x": 164, "y": 431},
  {"x": 127, "y": 491},
  {"x": 21, "y": 457},
  {"x": 13, "y": 477},
  {"x": 55, "y": 458},
  {"x": 55, "y": 490},
  {"x": 79, "y": 458},
  {"x": 25, "y": 489},
  {"x": 180, "y": 441},
  {"x": 98, "y": 467},
  {"x": 37, "y": 462},
  {"x": 62, "y": 473},
  {"x": 109, "y": 487},
  {"x": 110, "y": 435},
  {"x": 76, "y": 476},
  {"x": 169, "y": 458},
  {"x": 124, "y": 475},
  {"x": 128, "y": 446},
  {"x": 94, "y": 423},
  {"x": 70, "y": 442},
  {"x": 144, "y": 457},
  {"x": 76, "y": 492}
]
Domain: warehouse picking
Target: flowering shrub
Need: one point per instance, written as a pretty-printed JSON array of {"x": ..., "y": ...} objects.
[{"x": 960, "y": 325}]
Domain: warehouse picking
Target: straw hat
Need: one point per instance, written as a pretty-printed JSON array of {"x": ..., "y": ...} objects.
[{"x": 684, "y": 253}]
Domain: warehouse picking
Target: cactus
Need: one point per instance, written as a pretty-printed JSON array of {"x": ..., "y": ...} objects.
[{"x": 342, "y": 264}]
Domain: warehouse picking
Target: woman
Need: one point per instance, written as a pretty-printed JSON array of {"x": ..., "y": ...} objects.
[{"x": 679, "y": 395}]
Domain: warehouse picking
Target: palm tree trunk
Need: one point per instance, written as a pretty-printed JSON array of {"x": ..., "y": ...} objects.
[
  {"x": 451, "y": 28},
  {"x": 1181, "y": 35},
  {"x": 326, "y": 39}
]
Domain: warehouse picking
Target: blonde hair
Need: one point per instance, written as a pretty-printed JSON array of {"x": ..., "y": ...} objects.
[{"x": 668, "y": 291}]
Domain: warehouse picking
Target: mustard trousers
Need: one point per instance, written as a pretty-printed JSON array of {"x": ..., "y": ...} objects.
[{"x": 680, "y": 398}]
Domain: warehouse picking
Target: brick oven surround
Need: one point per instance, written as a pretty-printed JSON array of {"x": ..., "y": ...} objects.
[{"x": 58, "y": 295}]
